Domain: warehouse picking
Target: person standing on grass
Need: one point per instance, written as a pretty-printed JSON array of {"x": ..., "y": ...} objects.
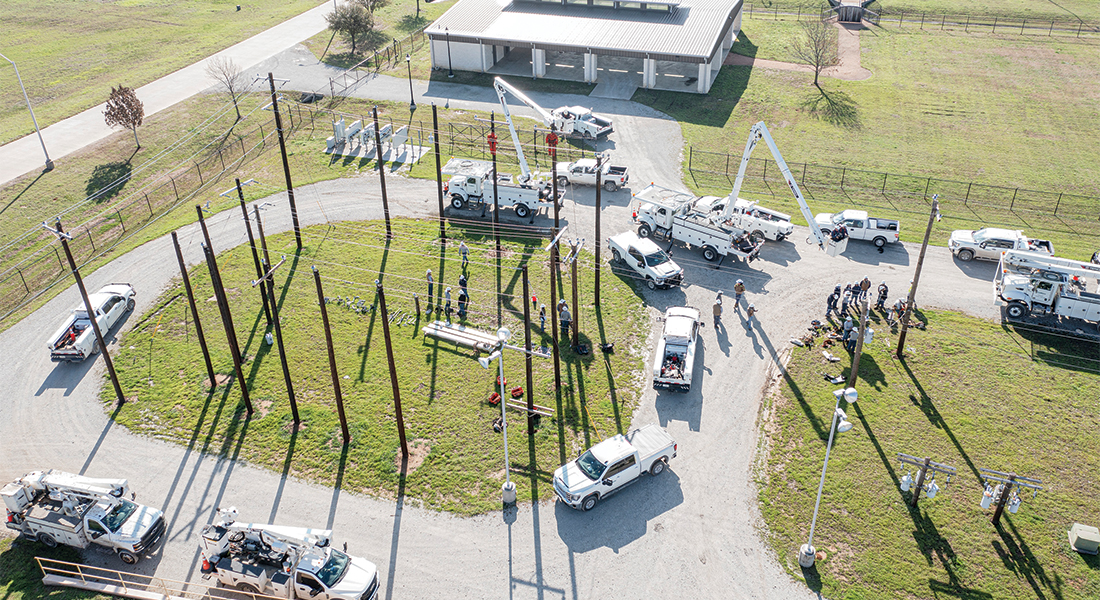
[
  {"x": 864, "y": 286},
  {"x": 880, "y": 302},
  {"x": 717, "y": 309},
  {"x": 750, "y": 313},
  {"x": 845, "y": 299},
  {"x": 849, "y": 326},
  {"x": 465, "y": 252},
  {"x": 832, "y": 301},
  {"x": 542, "y": 318},
  {"x": 566, "y": 321},
  {"x": 899, "y": 308}
]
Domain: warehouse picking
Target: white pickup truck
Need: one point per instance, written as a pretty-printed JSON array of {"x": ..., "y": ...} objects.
[
  {"x": 860, "y": 226},
  {"x": 673, "y": 365},
  {"x": 612, "y": 464},
  {"x": 75, "y": 340},
  {"x": 746, "y": 215},
  {"x": 989, "y": 243},
  {"x": 583, "y": 172},
  {"x": 647, "y": 259}
]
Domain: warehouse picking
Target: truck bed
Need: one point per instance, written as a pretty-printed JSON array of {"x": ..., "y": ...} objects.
[
  {"x": 50, "y": 513},
  {"x": 649, "y": 441}
]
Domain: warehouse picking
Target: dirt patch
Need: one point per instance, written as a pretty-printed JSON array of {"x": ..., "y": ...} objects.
[
  {"x": 221, "y": 378},
  {"x": 418, "y": 451},
  {"x": 265, "y": 407},
  {"x": 289, "y": 427}
]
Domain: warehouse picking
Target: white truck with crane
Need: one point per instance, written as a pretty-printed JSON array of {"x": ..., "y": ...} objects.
[
  {"x": 54, "y": 507},
  {"x": 672, "y": 215},
  {"x": 471, "y": 183},
  {"x": 1033, "y": 283},
  {"x": 75, "y": 340},
  {"x": 567, "y": 120},
  {"x": 296, "y": 563},
  {"x": 746, "y": 215}
]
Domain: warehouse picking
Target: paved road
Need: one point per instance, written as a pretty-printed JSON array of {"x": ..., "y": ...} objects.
[{"x": 695, "y": 528}]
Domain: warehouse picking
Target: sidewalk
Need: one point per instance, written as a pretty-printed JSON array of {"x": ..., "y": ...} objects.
[{"x": 25, "y": 154}]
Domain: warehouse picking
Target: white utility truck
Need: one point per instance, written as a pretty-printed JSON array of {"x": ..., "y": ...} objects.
[
  {"x": 567, "y": 120},
  {"x": 746, "y": 215},
  {"x": 674, "y": 363},
  {"x": 646, "y": 259},
  {"x": 1032, "y": 283},
  {"x": 583, "y": 172},
  {"x": 471, "y": 182},
  {"x": 297, "y": 563},
  {"x": 75, "y": 340},
  {"x": 55, "y": 507},
  {"x": 612, "y": 464},
  {"x": 672, "y": 216},
  {"x": 859, "y": 226},
  {"x": 988, "y": 243}
]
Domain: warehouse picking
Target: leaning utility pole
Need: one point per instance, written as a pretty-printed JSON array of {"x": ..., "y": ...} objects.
[
  {"x": 552, "y": 148},
  {"x": 382, "y": 174},
  {"x": 916, "y": 277},
  {"x": 269, "y": 277},
  {"x": 286, "y": 163},
  {"x": 576, "y": 299},
  {"x": 599, "y": 184},
  {"x": 393, "y": 369},
  {"x": 527, "y": 351},
  {"x": 255, "y": 253},
  {"x": 194, "y": 312},
  {"x": 864, "y": 310},
  {"x": 64, "y": 237},
  {"x": 438, "y": 176},
  {"x": 332, "y": 358},
  {"x": 496, "y": 196}
]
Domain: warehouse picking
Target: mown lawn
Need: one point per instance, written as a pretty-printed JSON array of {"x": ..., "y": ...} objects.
[
  {"x": 20, "y": 577},
  {"x": 444, "y": 391},
  {"x": 968, "y": 396},
  {"x": 70, "y": 53}
]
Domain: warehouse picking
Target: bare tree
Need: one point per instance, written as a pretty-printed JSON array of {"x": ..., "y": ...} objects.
[
  {"x": 817, "y": 46},
  {"x": 229, "y": 75},
  {"x": 351, "y": 21},
  {"x": 124, "y": 110}
]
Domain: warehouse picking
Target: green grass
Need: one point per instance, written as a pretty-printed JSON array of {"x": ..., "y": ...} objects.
[
  {"x": 965, "y": 396},
  {"x": 70, "y": 53},
  {"x": 1062, "y": 10},
  {"x": 997, "y": 111},
  {"x": 21, "y": 579},
  {"x": 443, "y": 389}
]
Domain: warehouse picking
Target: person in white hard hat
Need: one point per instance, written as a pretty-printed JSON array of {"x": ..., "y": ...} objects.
[
  {"x": 749, "y": 315},
  {"x": 738, "y": 291}
]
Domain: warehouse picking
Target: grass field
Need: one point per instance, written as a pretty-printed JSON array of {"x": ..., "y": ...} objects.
[
  {"x": 20, "y": 577},
  {"x": 964, "y": 396},
  {"x": 70, "y": 54},
  {"x": 458, "y": 459}
]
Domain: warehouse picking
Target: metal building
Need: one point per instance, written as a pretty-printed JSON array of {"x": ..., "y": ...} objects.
[{"x": 663, "y": 44}]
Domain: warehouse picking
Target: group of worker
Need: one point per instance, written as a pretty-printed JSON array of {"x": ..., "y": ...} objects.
[
  {"x": 738, "y": 292},
  {"x": 844, "y": 301}
]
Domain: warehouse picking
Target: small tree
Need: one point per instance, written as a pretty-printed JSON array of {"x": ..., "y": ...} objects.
[
  {"x": 817, "y": 46},
  {"x": 229, "y": 75},
  {"x": 352, "y": 21},
  {"x": 124, "y": 110},
  {"x": 372, "y": 5}
]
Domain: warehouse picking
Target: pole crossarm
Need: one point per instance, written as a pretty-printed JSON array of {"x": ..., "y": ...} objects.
[
  {"x": 1002, "y": 477},
  {"x": 909, "y": 459},
  {"x": 269, "y": 275}
]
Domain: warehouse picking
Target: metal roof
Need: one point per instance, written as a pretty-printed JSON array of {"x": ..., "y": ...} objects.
[{"x": 689, "y": 33}]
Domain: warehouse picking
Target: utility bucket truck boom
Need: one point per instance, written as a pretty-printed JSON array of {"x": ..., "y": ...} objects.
[
  {"x": 567, "y": 120},
  {"x": 1032, "y": 283}
]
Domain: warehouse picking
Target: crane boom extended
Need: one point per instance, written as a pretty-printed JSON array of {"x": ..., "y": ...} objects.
[
  {"x": 501, "y": 87},
  {"x": 758, "y": 131},
  {"x": 1033, "y": 260}
]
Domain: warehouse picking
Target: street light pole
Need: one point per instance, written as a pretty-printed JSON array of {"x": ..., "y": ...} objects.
[
  {"x": 450, "y": 70},
  {"x": 806, "y": 554},
  {"x": 412, "y": 98},
  {"x": 49, "y": 163},
  {"x": 508, "y": 490}
]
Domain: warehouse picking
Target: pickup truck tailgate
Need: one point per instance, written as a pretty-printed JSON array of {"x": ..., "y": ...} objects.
[{"x": 650, "y": 440}]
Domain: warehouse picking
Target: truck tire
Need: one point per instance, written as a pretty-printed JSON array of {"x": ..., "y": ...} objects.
[
  {"x": 563, "y": 181},
  {"x": 879, "y": 241},
  {"x": 611, "y": 186},
  {"x": 615, "y": 256},
  {"x": 128, "y": 557},
  {"x": 522, "y": 211},
  {"x": 1017, "y": 310},
  {"x": 590, "y": 502},
  {"x": 247, "y": 588},
  {"x": 47, "y": 540},
  {"x": 644, "y": 231},
  {"x": 458, "y": 202},
  {"x": 130, "y": 304},
  {"x": 657, "y": 467},
  {"x": 710, "y": 253},
  {"x": 650, "y": 283},
  {"x": 757, "y": 236},
  {"x": 779, "y": 237},
  {"x": 966, "y": 255},
  {"x": 95, "y": 347}
]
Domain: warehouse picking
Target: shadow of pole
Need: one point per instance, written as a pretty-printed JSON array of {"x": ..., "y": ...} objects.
[
  {"x": 102, "y": 436},
  {"x": 336, "y": 487},
  {"x": 396, "y": 536},
  {"x": 286, "y": 471}
]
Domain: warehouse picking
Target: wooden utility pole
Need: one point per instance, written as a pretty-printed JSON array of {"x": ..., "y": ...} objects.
[
  {"x": 91, "y": 311},
  {"x": 255, "y": 253},
  {"x": 576, "y": 300},
  {"x": 382, "y": 174},
  {"x": 286, "y": 163},
  {"x": 269, "y": 277},
  {"x": 527, "y": 348},
  {"x": 598, "y": 243},
  {"x": 1006, "y": 491},
  {"x": 438, "y": 176},
  {"x": 393, "y": 370},
  {"x": 332, "y": 358},
  {"x": 496, "y": 196},
  {"x": 916, "y": 278},
  {"x": 552, "y": 149},
  {"x": 920, "y": 481},
  {"x": 223, "y": 306},
  {"x": 863, "y": 312},
  {"x": 194, "y": 312}
]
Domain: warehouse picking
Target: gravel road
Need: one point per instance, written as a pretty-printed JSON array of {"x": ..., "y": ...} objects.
[{"x": 696, "y": 528}]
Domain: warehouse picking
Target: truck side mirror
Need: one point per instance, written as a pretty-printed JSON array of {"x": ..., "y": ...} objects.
[
  {"x": 95, "y": 535},
  {"x": 607, "y": 481},
  {"x": 641, "y": 263}
]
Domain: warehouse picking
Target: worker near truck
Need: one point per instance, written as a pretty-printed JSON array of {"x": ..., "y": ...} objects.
[
  {"x": 832, "y": 301},
  {"x": 717, "y": 309},
  {"x": 738, "y": 291}
]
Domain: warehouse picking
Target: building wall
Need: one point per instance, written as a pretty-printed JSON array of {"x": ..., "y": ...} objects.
[{"x": 464, "y": 56}]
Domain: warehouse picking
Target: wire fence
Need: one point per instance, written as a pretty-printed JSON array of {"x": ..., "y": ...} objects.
[
  {"x": 923, "y": 20},
  {"x": 383, "y": 59}
]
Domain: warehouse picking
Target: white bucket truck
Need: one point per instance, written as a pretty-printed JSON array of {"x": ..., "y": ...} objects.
[
  {"x": 471, "y": 182},
  {"x": 672, "y": 215},
  {"x": 54, "y": 507},
  {"x": 1032, "y": 283}
]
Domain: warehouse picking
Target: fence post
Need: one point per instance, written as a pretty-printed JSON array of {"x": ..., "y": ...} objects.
[
  {"x": 966, "y": 28},
  {"x": 922, "y": 21},
  {"x": 174, "y": 188},
  {"x": 967, "y": 199},
  {"x": 803, "y": 174},
  {"x": 24, "y": 280},
  {"x": 765, "y": 177},
  {"x": 1013, "y": 205},
  {"x": 1022, "y": 26},
  {"x": 943, "y": 19},
  {"x": 884, "y": 184},
  {"x": 1059, "y": 203},
  {"x": 1051, "y": 32},
  {"x": 1079, "y": 25},
  {"x": 994, "y": 24},
  {"x": 689, "y": 159},
  {"x": 844, "y": 175},
  {"x": 89, "y": 232},
  {"x": 901, "y": 20},
  {"x": 199, "y": 171},
  {"x": 120, "y": 220},
  {"x": 149, "y": 204}
]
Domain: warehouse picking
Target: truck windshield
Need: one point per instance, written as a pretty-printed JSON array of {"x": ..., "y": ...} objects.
[
  {"x": 657, "y": 258},
  {"x": 981, "y": 235},
  {"x": 334, "y": 569},
  {"x": 590, "y": 466},
  {"x": 837, "y": 218},
  {"x": 118, "y": 515}
]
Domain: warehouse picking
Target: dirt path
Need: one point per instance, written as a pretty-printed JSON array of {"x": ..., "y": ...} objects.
[{"x": 847, "y": 48}]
